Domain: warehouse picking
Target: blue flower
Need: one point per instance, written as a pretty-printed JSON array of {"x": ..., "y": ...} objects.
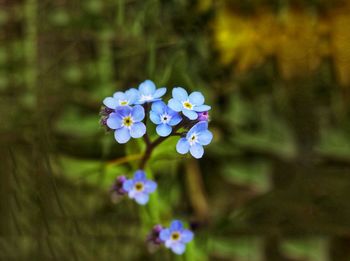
[
  {"x": 164, "y": 117},
  {"x": 121, "y": 99},
  {"x": 188, "y": 104},
  {"x": 149, "y": 93},
  {"x": 126, "y": 121},
  {"x": 176, "y": 237},
  {"x": 139, "y": 187},
  {"x": 197, "y": 136}
]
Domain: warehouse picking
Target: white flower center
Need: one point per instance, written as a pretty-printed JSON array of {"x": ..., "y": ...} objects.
[
  {"x": 193, "y": 139},
  {"x": 123, "y": 102},
  {"x": 127, "y": 121},
  {"x": 146, "y": 97},
  {"x": 187, "y": 105},
  {"x": 165, "y": 118}
]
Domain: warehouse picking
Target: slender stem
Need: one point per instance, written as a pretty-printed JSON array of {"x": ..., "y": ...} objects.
[
  {"x": 146, "y": 137},
  {"x": 151, "y": 145}
]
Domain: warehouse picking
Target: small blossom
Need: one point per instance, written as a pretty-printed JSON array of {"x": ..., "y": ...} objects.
[
  {"x": 153, "y": 236},
  {"x": 105, "y": 111},
  {"x": 139, "y": 187},
  {"x": 195, "y": 139},
  {"x": 164, "y": 117},
  {"x": 118, "y": 185},
  {"x": 176, "y": 237},
  {"x": 117, "y": 191},
  {"x": 126, "y": 121},
  {"x": 147, "y": 92},
  {"x": 121, "y": 99},
  {"x": 203, "y": 116},
  {"x": 189, "y": 105}
]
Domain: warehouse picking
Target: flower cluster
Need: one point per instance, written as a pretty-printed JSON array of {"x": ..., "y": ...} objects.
[
  {"x": 185, "y": 115},
  {"x": 175, "y": 237},
  {"x": 137, "y": 188}
]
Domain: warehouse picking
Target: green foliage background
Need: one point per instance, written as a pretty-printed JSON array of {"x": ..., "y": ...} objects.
[{"x": 273, "y": 185}]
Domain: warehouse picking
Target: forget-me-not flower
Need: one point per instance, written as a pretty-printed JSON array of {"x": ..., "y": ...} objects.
[
  {"x": 147, "y": 92},
  {"x": 189, "y": 105},
  {"x": 139, "y": 187},
  {"x": 126, "y": 121},
  {"x": 164, "y": 117},
  {"x": 121, "y": 99},
  {"x": 176, "y": 237},
  {"x": 195, "y": 139}
]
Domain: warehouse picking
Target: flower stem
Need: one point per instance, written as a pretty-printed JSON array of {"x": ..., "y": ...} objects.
[{"x": 151, "y": 145}]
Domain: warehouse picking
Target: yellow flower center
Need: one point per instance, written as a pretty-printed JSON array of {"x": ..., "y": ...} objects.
[
  {"x": 127, "y": 121},
  {"x": 175, "y": 236},
  {"x": 188, "y": 105},
  {"x": 139, "y": 186},
  {"x": 123, "y": 103}
]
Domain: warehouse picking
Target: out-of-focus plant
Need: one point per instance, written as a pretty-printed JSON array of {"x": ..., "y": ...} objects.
[
  {"x": 295, "y": 37},
  {"x": 185, "y": 116}
]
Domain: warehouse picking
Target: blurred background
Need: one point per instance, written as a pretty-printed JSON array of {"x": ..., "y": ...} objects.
[{"x": 274, "y": 184}]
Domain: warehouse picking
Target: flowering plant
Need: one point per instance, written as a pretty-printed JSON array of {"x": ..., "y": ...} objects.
[{"x": 184, "y": 116}]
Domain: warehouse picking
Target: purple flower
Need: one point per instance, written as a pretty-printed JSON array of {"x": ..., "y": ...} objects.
[
  {"x": 147, "y": 92},
  {"x": 203, "y": 116},
  {"x": 195, "y": 139},
  {"x": 153, "y": 236},
  {"x": 139, "y": 187},
  {"x": 121, "y": 99},
  {"x": 126, "y": 121},
  {"x": 189, "y": 105},
  {"x": 118, "y": 186},
  {"x": 176, "y": 237},
  {"x": 164, "y": 117}
]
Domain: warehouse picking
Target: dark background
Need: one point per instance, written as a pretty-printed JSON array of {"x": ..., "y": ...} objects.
[{"x": 273, "y": 185}]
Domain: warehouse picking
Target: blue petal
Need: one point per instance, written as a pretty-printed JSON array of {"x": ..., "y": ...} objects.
[
  {"x": 141, "y": 198},
  {"x": 205, "y": 137},
  {"x": 150, "y": 186},
  {"x": 159, "y": 107},
  {"x": 122, "y": 135},
  {"x": 175, "y": 105},
  {"x": 132, "y": 95},
  {"x": 196, "y": 98},
  {"x": 119, "y": 96},
  {"x": 147, "y": 87},
  {"x": 182, "y": 146},
  {"x": 200, "y": 126},
  {"x": 163, "y": 130},
  {"x": 192, "y": 115},
  {"x": 179, "y": 94},
  {"x": 138, "y": 113},
  {"x": 197, "y": 151},
  {"x": 114, "y": 121},
  {"x": 186, "y": 236},
  {"x": 139, "y": 175},
  {"x": 128, "y": 185},
  {"x": 178, "y": 248},
  {"x": 110, "y": 102},
  {"x": 176, "y": 225},
  {"x": 164, "y": 234},
  {"x": 137, "y": 130},
  {"x": 175, "y": 119},
  {"x": 159, "y": 93},
  {"x": 202, "y": 108},
  {"x": 155, "y": 118},
  {"x": 132, "y": 193},
  {"x": 123, "y": 110}
]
